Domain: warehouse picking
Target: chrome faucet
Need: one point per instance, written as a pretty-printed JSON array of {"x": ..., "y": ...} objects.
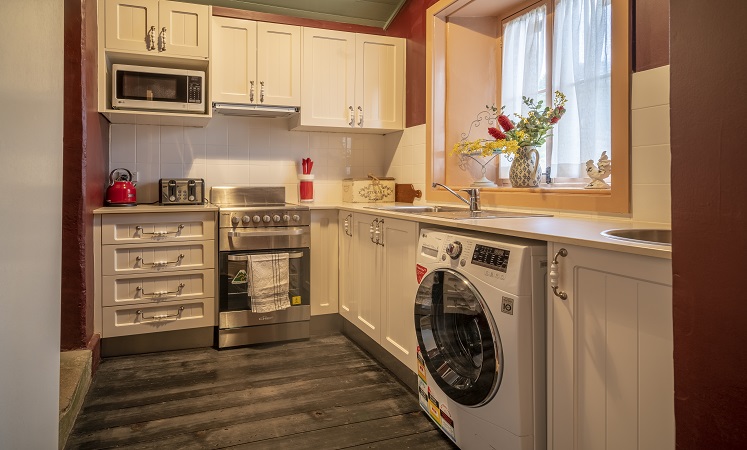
[{"x": 474, "y": 196}]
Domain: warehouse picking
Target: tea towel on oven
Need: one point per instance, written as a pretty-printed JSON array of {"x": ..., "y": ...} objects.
[{"x": 268, "y": 282}]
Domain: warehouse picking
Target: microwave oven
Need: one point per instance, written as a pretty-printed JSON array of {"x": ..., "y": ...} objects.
[{"x": 157, "y": 89}]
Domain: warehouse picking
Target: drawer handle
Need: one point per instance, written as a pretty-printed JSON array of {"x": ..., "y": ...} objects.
[
  {"x": 554, "y": 274},
  {"x": 157, "y": 294},
  {"x": 160, "y": 233},
  {"x": 158, "y": 317},
  {"x": 179, "y": 258}
]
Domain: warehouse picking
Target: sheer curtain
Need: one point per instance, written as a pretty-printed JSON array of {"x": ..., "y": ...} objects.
[
  {"x": 524, "y": 67},
  {"x": 581, "y": 70}
]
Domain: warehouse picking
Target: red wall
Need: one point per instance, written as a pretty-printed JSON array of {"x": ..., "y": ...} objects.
[
  {"x": 85, "y": 154},
  {"x": 651, "y": 29},
  {"x": 709, "y": 222}
]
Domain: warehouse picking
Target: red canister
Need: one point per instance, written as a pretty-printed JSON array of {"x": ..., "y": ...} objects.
[{"x": 306, "y": 188}]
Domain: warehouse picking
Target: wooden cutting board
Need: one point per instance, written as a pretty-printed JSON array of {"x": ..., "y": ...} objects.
[{"x": 406, "y": 193}]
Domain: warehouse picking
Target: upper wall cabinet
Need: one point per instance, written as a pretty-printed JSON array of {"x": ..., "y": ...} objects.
[
  {"x": 255, "y": 62},
  {"x": 157, "y": 27},
  {"x": 352, "y": 81}
]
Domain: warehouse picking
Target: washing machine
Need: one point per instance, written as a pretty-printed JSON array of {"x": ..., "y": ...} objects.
[{"x": 480, "y": 323}]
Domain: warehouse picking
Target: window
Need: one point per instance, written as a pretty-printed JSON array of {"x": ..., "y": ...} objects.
[{"x": 579, "y": 63}]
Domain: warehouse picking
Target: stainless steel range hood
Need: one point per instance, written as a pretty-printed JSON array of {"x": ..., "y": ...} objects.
[{"x": 238, "y": 109}]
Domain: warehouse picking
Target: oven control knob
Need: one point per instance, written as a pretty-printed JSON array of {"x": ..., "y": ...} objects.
[
  {"x": 454, "y": 249},
  {"x": 266, "y": 219},
  {"x": 256, "y": 219},
  {"x": 246, "y": 219},
  {"x": 276, "y": 218},
  {"x": 286, "y": 218},
  {"x": 296, "y": 217},
  {"x": 235, "y": 220}
]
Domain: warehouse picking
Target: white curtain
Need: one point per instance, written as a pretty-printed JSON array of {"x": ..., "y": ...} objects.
[
  {"x": 581, "y": 70},
  {"x": 524, "y": 65}
]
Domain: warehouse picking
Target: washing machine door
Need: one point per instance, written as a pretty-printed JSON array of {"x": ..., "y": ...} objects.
[{"x": 458, "y": 338}]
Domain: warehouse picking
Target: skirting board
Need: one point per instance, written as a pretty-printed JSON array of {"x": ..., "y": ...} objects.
[
  {"x": 326, "y": 324},
  {"x": 401, "y": 371},
  {"x": 157, "y": 342}
]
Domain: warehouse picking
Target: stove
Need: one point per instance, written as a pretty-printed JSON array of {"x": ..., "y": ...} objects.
[{"x": 255, "y": 223}]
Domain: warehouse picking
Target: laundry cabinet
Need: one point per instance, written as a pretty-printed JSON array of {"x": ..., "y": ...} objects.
[
  {"x": 154, "y": 279},
  {"x": 610, "y": 350},
  {"x": 378, "y": 293}
]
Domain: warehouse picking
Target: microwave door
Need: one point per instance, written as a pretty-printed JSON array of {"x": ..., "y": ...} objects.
[{"x": 156, "y": 91}]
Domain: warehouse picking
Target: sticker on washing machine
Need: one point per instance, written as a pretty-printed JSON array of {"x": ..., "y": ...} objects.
[
  {"x": 421, "y": 366},
  {"x": 433, "y": 407},
  {"x": 447, "y": 423},
  {"x": 507, "y": 305},
  {"x": 296, "y": 300},
  {"x": 420, "y": 272},
  {"x": 423, "y": 394},
  {"x": 240, "y": 277}
]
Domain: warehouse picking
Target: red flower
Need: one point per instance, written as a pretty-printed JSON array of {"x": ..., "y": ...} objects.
[
  {"x": 505, "y": 123},
  {"x": 496, "y": 133},
  {"x": 555, "y": 120}
]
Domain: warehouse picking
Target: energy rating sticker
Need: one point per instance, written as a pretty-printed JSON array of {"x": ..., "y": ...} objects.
[
  {"x": 240, "y": 278},
  {"x": 447, "y": 423},
  {"x": 423, "y": 394},
  {"x": 433, "y": 408},
  {"x": 296, "y": 300}
]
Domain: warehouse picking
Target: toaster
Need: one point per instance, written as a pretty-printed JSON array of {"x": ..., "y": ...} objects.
[{"x": 182, "y": 191}]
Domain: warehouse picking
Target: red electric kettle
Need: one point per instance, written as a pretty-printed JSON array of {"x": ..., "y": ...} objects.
[{"x": 121, "y": 190}]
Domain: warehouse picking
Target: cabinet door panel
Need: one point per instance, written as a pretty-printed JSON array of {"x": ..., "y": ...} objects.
[
  {"x": 279, "y": 64},
  {"x": 234, "y": 59},
  {"x": 328, "y": 78},
  {"x": 367, "y": 290},
  {"x": 380, "y": 69},
  {"x": 347, "y": 279},
  {"x": 324, "y": 271},
  {"x": 186, "y": 28},
  {"x": 128, "y": 24}
]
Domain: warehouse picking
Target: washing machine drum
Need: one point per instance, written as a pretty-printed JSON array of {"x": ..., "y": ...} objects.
[{"x": 458, "y": 338}]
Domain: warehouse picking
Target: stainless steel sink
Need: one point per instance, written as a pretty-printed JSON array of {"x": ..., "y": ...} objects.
[
  {"x": 452, "y": 212},
  {"x": 640, "y": 235},
  {"x": 417, "y": 209}
]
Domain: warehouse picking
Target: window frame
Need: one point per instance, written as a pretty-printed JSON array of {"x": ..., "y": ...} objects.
[{"x": 614, "y": 200}]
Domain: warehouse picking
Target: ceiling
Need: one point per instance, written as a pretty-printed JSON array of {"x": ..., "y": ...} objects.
[{"x": 374, "y": 13}]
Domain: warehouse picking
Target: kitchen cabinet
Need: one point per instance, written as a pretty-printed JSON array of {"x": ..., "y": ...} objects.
[
  {"x": 155, "y": 273},
  {"x": 352, "y": 81},
  {"x": 157, "y": 27},
  {"x": 324, "y": 257},
  {"x": 610, "y": 364},
  {"x": 347, "y": 303},
  {"x": 255, "y": 62},
  {"x": 383, "y": 283}
]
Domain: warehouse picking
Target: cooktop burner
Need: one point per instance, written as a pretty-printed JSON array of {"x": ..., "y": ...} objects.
[{"x": 252, "y": 206}]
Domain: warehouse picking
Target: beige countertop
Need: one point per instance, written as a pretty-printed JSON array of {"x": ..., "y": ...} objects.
[
  {"x": 565, "y": 229},
  {"x": 155, "y": 208}
]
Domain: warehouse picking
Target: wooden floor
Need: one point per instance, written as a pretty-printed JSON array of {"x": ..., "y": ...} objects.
[{"x": 324, "y": 393}]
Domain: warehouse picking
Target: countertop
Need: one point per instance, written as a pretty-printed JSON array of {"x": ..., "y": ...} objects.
[
  {"x": 154, "y": 208},
  {"x": 561, "y": 228}
]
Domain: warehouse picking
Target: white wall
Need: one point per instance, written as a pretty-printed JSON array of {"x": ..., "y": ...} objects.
[
  {"x": 245, "y": 151},
  {"x": 31, "y": 221}
]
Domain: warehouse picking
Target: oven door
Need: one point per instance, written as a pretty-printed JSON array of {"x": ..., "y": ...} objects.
[{"x": 235, "y": 301}]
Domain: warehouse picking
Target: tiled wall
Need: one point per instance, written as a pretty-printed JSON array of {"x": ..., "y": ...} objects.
[
  {"x": 247, "y": 151},
  {"x": 407, "y": 163},
  {"x": 651, "y": 161}
]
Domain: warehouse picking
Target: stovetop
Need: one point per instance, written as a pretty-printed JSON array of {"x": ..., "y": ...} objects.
[{"x": 253, "y": 207}]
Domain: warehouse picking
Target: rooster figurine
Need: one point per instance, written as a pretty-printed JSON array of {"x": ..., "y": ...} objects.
[{"x": 597, "y": 174}]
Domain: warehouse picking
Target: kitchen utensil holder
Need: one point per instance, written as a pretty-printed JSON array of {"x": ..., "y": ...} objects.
[{"x": 306, "y": 188}]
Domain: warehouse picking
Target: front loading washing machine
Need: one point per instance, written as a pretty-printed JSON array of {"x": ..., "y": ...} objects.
[{"x": 479, "y": 319}]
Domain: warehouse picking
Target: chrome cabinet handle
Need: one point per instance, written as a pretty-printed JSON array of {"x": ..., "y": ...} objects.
[
  {"x": 157, "y": 317},
  {"x": 371, "y": 230},
  {"x": 360, "y": 116},
  {"x": 351, "y": 115},
  {"x": 348, "y": 230},
  {"x": 157, "y": 294},
  {"x": 159, "y": 233},
  {"x": 163, "y": 39},
  {"x": 251, "y": 91},
  {"x": 179, "y": 258},
  {"x": 261, "y": 91},
  {"x": 555, "y": 274},
  {"x": 379, "y": 233},
  {"x": 152, "y": 38},
  {"x": 376, "y": 231}
]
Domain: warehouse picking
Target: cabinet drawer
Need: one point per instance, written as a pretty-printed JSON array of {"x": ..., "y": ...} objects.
[
  {"x": 157, "y": 288},
  {"x": 157, "y": 258},
  {"x": 163, "y": 227},
  {"x": 166, "y": 316}
]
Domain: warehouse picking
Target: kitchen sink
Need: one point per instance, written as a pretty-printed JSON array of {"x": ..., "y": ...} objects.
[
  {"x": 453, "y": 212},
  {"x": 640, "y": 235},
  {"x": 418, "y": 209}
]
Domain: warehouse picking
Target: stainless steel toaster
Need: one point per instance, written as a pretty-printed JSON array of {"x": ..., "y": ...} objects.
[{"x": 182, "y": 191}]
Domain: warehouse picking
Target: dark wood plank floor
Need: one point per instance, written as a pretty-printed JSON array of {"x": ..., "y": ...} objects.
[{"x": 324, "y": 393}]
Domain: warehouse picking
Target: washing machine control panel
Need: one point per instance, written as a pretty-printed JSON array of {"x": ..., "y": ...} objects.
[
  {"x": 454, "y": 249},
  {"x": 490, "y": 257}
]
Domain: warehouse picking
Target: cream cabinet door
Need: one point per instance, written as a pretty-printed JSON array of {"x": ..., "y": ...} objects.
[
  {"x": 132, "y": 25},
  {"x": 183, "y": 29},
  {"x": 324, "y": 268},
  {"x": 278, "y": 64},
  {"x": 610, "y": 370},
  {"x": 328, "y": 85},
  {"x": 234, "y": 60},
  {"x": 347, "y": 279},
  {"x": 400, "y": 286},
  {"x": 380, "y": 81},
  {"x": 367, "y": 266}
]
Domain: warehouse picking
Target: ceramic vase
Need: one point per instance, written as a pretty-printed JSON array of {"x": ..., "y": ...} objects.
[{"x": 524, "y": 171}]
